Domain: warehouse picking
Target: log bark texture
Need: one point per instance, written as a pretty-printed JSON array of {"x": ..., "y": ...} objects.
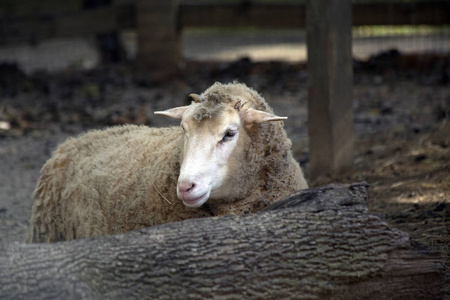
[{"x": 319, "y": 243}]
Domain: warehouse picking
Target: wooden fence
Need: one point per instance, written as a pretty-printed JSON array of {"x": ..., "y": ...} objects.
[
  {"x": 86, "y": 22},
  {"x": 159, "y": 22}
]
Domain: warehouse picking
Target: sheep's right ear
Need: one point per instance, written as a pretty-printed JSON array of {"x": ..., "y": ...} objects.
[{"x": 176, "y": 112}]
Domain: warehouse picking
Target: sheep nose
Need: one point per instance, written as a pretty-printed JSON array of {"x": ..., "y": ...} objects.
[{"x": 185, "y": 187}]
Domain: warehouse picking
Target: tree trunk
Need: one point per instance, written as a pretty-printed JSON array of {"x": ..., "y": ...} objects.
[{"x": 316, "y": 244}]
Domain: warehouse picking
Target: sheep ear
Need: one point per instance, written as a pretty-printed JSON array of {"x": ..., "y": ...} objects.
[
  {"x": 176, "y": 112},
  {"x": 252, "y": 116}
]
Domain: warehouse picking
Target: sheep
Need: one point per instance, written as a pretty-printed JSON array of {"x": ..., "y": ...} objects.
[{"x": 231, "y": 155}]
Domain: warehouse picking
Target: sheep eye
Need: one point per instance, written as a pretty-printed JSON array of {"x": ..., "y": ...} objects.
[{"x": 229, "y": 134}]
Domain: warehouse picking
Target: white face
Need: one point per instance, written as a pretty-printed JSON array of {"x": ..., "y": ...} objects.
[{"x": 208, "y": 145}]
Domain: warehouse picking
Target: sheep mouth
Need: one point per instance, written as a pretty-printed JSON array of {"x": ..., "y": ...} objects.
[{"x": 197, "y": 201}]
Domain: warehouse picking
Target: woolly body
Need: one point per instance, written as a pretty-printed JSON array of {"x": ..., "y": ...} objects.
[{"x": 123, "y": 178}]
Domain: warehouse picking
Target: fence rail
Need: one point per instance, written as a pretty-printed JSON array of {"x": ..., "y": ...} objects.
[
  {"x": 14, "y": 30},
  {"x": 24, "y": 29}
]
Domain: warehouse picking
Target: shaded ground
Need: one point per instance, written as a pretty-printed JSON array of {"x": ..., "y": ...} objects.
[{"x": 402, "y": 115}]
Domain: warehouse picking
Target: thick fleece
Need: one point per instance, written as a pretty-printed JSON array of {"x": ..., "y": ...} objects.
[{"x": 123, "y": 178}]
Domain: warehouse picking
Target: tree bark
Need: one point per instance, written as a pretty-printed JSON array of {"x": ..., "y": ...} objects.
[{"x": 319, "y": 243}]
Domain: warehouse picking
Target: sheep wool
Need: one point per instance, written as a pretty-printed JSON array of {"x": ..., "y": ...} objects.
[{"x": 123, "y": 178}]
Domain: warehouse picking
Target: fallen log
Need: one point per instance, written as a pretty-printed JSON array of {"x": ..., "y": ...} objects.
[{"x": 320, "y": 243}]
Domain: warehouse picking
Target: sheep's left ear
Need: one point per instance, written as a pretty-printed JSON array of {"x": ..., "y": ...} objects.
[
  {"x": 252, "y": 116},
  {"x": 176, "y": 112}
]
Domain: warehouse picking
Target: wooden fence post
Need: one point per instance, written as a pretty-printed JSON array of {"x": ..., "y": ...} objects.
[
  {"x": 330, "y": 76},
  {"x": 159, "y": 39}
]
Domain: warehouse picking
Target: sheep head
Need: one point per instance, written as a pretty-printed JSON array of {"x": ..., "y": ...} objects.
[{"x": 214, "y": 137}]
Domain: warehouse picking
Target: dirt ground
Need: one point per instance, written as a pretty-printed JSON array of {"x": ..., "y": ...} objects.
[{"x": 402, "y": 127}]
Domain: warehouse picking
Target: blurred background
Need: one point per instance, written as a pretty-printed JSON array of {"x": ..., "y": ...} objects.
[
  {"x": 52, "y": 35},
  {"x": 74, "y": 65}
]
